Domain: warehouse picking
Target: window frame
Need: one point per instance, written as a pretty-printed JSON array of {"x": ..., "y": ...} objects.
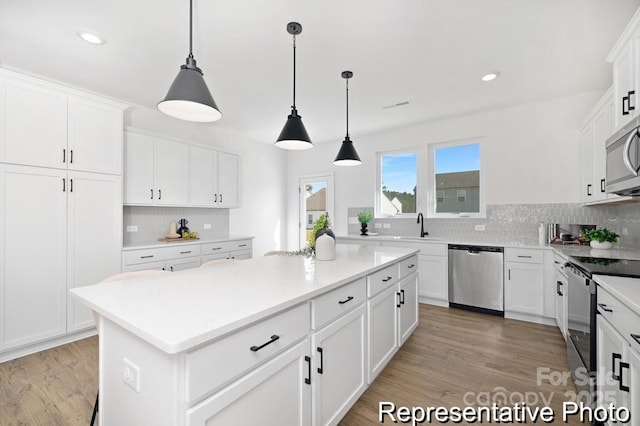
[
  {"x": 431, "y": 191},
  {"x": 377, "y": 210}
]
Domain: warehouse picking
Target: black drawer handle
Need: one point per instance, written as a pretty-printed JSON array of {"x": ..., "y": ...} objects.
[
  {"x": 307, "y": 379},
  {"x": 398, "y": 304},
  {"x": 604, "y": 307},
  {"x": 321, "y": 368},
  {"x": 402, "y": 297},
  {"x": 559, "y": 287},
  {"x": 622, "y": 387},
  {"x": 411, "y": 266},
  {"x": 185, "y": 252},
  {"x": 602, "y": 189},
  {"x": 216, "y": 248},
  {"x": 257, "y": 348},
  {"x": 524, "y": 257},
  {"x": 242, "y": 245},
  {"x": 614, "y": 357},
  {"x": 384, "y": 280},
  {"x": 635, "y": 337},
  {"x": 348, "y": 299},
  {"x": 146, "y": 257}
]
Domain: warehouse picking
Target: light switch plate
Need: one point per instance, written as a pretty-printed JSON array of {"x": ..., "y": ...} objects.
[
  {"x": 131, "y": 374},
  {"x": 479, "y": 227},
  {"x": 386, "y": 225},
  {"x": 132, "y": 228},
  {"x": 378, "y": 225},
  {"x": 207, "y": 226}
]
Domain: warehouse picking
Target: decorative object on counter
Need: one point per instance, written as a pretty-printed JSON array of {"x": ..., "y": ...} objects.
[
  {"x": 601, "y": 238},
  {"x": 322, "y": 226},
  {"x": 364, "y": 217},
  {"x": 325, "y": 247},
  {"x": 188, "y": 97},
  {"x": 294, "y": 135},
  {"x": 347, "y": 156},
  {"x": 190, "y": 235},
  {"x": 172, "y": 235},
  {"x": 542, "y": 234},
  {"x": 183, "y": 227}
]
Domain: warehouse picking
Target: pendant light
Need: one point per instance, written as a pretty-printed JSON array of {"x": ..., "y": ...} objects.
[
  {"x": 188, "y": 97},
  {"x": 293, "y": 135},
  {"x": 347, "y": 156}
]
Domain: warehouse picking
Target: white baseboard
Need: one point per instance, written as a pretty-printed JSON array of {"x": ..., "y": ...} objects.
[{"x": 21, "y": 351}]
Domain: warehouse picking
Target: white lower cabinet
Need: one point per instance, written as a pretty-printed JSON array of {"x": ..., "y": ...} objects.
[
  {"x": 72, "y": 222},
  {"x": 524, "y": 281},
  {"x": 277, "y": 393},
  {"x": 382, "y": 330},
  {"x": 407, "y": 307},
  {"x": 612, "y": 348},
  {"x": 339, "y": 367}
]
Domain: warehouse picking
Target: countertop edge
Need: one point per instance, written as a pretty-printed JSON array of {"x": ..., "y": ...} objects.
[{"x": 625, "y": 289}]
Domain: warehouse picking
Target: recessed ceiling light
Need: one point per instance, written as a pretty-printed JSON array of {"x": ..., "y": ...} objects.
[
  {"x": 91, "y": 36},
  {"x": 490, "y": 76}
]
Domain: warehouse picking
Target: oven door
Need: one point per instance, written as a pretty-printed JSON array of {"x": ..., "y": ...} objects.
[{"x": 623, "y": 161}]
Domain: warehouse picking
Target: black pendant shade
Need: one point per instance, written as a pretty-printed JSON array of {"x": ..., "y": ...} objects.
[
  {"x": 347, "y": 156},
  {"x": 188, "y": 97},
  {"x": 293, "y": 135}
]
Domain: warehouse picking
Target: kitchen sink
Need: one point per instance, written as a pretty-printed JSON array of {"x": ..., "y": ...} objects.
[{"x": 405, "y": 238}]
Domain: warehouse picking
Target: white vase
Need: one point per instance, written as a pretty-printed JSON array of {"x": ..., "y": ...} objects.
[
  {"x": 325, "y": 248},
  {"x": 602, "y": 246}
]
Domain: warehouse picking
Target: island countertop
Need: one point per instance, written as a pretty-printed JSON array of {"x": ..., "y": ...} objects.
[{"x": 184, "y": 309}]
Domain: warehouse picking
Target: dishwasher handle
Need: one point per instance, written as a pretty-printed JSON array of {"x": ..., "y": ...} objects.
[{"x": 471, "y": 249}]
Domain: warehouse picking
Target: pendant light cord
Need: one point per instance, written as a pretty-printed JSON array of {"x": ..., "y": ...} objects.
[
  {"x": 347, "y": 81},
  {"x": 294, "y": 72},
  {"x": 191, "y": 28}
]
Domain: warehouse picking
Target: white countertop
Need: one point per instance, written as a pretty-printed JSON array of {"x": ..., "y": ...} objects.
[
  {"x": 183, "y": 309},
  {"x": 164, "y": 243},
  {"x": 625, "y": 289}
]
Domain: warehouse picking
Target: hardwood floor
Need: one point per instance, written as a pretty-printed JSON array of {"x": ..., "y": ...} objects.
[{"x": 453, "y": 354}]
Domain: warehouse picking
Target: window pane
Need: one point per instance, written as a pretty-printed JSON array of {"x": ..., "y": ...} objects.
[
  {"x": 457, "y": 179},
  {"x": 398, "y": 184}
]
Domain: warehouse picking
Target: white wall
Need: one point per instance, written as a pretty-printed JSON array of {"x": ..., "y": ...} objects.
[
  {"x": 262, "y": 170},
  {"x": 532, "y": 156}
]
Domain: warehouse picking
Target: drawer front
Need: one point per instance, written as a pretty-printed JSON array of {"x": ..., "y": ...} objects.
[
  {"x": 434, "y": 249},
  {"x": 622, "y": 318},
  {"x": 408, "y": 266},
  {"x": 216, "y": 364},
  {"x": 240, "y": 254},
  {"x": 210, "y": 248},
  {"x": 382, "y": 279},
  {"x": 181, "y": 250},
  {"x": 132, "y": 257},
  {"x": 524, "y": 255},
  {"x": 337, "y": 302}
]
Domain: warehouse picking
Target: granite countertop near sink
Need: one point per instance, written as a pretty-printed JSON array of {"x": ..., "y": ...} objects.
[{"x": 164, "y": 243}]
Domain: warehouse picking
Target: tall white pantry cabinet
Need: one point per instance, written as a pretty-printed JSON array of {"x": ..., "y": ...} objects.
[{"x": 60, "y": 208}]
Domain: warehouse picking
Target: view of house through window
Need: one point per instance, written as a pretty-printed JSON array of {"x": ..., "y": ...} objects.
[
  {"x": 397, "y": 187},
  {"x": 316, "y": 198},
  {"x": 457, "y": 178}
]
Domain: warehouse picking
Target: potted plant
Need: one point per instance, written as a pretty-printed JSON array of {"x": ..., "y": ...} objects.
[
  {"x": 601, "y": 238},
  {"x": 364, "y": 217},
  {"x": 321, "y": 226}
]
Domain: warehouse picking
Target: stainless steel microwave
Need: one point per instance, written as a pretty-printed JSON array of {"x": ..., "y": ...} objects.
[{"x": 623, "y": 160}]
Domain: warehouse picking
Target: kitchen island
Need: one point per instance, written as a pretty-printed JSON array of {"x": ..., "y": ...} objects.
[{"x": 272, "y": 340}]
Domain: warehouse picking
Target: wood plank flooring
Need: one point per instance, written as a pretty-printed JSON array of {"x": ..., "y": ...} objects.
[{"x": 451, "y": 354}]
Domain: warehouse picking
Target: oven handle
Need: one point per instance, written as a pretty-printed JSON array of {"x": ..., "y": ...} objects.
[
  {"x": 604, "y": 307},
  {"x": 627, "y": 153}
]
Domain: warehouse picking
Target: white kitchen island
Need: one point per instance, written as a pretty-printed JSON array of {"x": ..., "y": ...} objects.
[{"x": 280, "y": 340}]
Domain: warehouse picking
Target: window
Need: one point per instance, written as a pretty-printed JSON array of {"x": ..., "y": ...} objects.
[
  {"x": 397, "y": 184},
  {"x": 310, "y": 220},
  {"x": 455, "y": 180}
]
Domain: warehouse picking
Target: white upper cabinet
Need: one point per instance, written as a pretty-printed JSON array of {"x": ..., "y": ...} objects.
[
  {"x": 171, "y": 172},
  {"x": 203, "y": 178},
  {"x": 625, "y": 58},
  {"x": 138, "y": 169},
  {"x": 228, "y": 180},
  {"x": 42, "y": 124}
]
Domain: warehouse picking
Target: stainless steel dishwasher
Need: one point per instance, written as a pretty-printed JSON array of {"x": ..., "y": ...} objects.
[{"x": 476, "y": 278}]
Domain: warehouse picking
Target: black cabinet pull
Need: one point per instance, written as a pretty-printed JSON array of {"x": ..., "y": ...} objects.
[
  {"x": 398, "y": 304},
  {"x": 558, "y": 288},
  {"x": 630, "y": 94},
  {"x": 70, "y": 185},
  {"x": 348, "y": 299},
  {"x": 625, "y": 101},
  {"x": 71, "y": 156},
  {"x": 152, "y": 194},
  {"x": 220, "y": 197},
  {"x": 307, "y": 380},
  {"x": 622, "y": 387},
  {"x": 146, "y": 257},
  {"x": 215, "y": 198},
  {"x": 402, "y": 297},
  {"x": 257, "y": 348},
  {"x": 615, "y": 356},
  {"x": 185, "y": 252},
  {"x": 321, "y": 368},
  {"x": 411, "y": 266},
  {"x": 604, "y": 307},
  {"x": 64, "y": 185},
  {"x": 216, "y": 248},
  {"x": 589, "y": 190},
  {"x": 524, "y": 257},
  {"x": 601, "y": 185},
  {"x": 242, "y": 245},
  {"x": 509, "y": 274},
  {"x": 635, "y": 337},
  {"x": 384, "y": 280},
  {"x": 159, "y": 194},
  {"x": 64, "y": 155},
  {"x": 171, "y": 268}
]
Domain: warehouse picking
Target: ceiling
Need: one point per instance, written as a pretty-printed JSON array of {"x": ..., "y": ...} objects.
[{"x": 429, "y": 53}]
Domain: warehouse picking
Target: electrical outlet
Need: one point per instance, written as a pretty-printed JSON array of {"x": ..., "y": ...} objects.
[
  {"x": 353, "y": 220},
  {"x": 207, "y": 226},
  {"x": 377, "y": 225},
  {"x": 479, "y": 227},
  {"x": 132, "y": 228},
  {"x": 131, "y": 375},
  {"x": 625, "y": 231},
  {"x": 386, "y": 225}
]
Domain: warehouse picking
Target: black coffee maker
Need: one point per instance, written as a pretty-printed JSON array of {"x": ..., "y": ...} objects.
[{"x": 183, "y": 227}]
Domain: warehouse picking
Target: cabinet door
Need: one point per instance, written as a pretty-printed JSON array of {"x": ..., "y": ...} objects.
[
  {"x": 586, "y": 155},
  {"x": 433, "y": 277},
  {"x": 339, "y": 354},
  {"x": 631, "y": 378},
  {"x": 158, "y": 266},
  {"x": 623, "y": 82},
  {"x": 95, "y": 136},
  {"x": 202, "y": 179},
  {"x": 523, "y": 291},
  {"x": 610, "y": 348},
  {"x": 561, "y": 303},
  {"x": 228, "y": 193},
  {"x": 408, "y": 309},
  {"x": 382, "y": 330},
  {"x": 601, "y": 131},
  {"x": 171, "y": 172},
  {"x": 277, "y": 393},
  {"x": 181, "y": 264},
  {"x": 94, "y": 237},
  {"x": 35, "y": 125},
  {"x": 33, "y": 229},
  {"x": 138, "y": 170}
]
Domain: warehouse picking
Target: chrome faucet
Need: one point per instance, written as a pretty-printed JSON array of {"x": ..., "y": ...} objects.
[{"x": 421, "y": 222}]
